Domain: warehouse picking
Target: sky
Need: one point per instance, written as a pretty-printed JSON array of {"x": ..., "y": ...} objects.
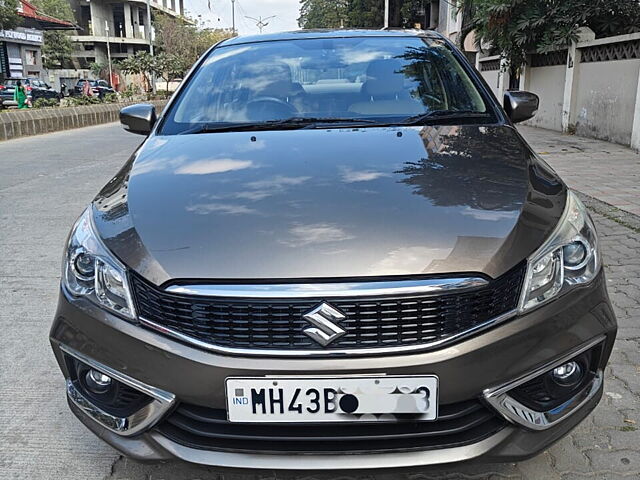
[{"x": 286, "y": 14}]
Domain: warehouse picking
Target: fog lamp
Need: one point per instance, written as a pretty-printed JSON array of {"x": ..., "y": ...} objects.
[
  {"x": 97, "y": 381},
  {"x": 567, "y": 374}
]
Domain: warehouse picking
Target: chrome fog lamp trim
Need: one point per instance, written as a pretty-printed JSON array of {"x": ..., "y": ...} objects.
[
  {"x": 520, "y": 414},
  {"x": 330, "y": 290},
  {"x": 134, "y": 424}
]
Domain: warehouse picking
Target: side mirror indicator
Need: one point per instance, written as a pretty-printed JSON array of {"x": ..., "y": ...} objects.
[
  {"x": 520, "y": 105},
  {"x": 139, "y": 118}
]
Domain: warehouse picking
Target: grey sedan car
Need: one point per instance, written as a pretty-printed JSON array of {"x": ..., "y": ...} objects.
[{"x": 333, "y": 251}]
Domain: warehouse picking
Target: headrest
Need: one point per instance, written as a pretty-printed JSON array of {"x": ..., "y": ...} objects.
[
  {"x": 384, "y": 78},
  {"x": 275, "y": 80}
]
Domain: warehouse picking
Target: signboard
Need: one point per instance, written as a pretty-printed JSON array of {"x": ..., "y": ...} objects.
[{"x": 22, "y": 35}]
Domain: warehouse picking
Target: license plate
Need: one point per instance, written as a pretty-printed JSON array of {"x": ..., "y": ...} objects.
[{"x": 332, "y": 399}]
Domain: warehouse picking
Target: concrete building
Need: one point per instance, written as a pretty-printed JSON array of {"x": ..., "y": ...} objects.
[
  {"x": 20, "y": 48},
  {"x": 123, "y": 23}
]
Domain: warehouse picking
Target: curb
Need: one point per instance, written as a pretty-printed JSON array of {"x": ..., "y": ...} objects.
[{"x": 46, "y": 120}]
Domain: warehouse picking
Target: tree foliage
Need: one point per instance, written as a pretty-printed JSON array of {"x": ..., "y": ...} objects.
[
  {"x": 358, "y": 13},
  {"x": 179, "y": 43},
  {"x": 57, "y": 48},
  {"x": 9, "y": 17},
  {"x": 142, "y": 63},
  {"x": 518, "y": 27},
  {"x": 324, "y": 13},
  {"x": 59, "y": 9},
  {"x": 182, "y": 43}
]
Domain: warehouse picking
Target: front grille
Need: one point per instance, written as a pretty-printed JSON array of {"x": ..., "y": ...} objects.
[
  {"x": 208, "y": 429},
  {"x": 277, "y": 324}
]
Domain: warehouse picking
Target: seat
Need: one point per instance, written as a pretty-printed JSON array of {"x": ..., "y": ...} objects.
[
  {"x": 277, "y": 82},
  {"x": 385, "y": 93}
]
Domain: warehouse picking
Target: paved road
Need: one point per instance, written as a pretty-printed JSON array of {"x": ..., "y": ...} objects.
[
  {"x": 46, "y": 181},
  {"x": 603, "y": 170}
]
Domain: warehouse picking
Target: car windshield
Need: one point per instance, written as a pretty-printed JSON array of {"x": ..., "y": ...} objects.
[{"x": 368, "y": 80}]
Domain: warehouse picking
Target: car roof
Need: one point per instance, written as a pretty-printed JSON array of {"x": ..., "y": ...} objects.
[{"x": 341, "y": 33}]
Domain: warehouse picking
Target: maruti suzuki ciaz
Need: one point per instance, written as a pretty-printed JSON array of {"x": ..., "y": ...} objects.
[{"x": 333, "y": 251}]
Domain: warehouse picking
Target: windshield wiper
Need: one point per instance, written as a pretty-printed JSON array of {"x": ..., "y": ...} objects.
[
  {"x": 444, "y": 115},
  {"x": 287, "y": 123}
]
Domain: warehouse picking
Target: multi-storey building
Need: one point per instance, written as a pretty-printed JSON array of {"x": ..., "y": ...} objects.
[{"x": 124, "y": 24}]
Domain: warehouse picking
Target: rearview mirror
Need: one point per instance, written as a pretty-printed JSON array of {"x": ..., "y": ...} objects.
[
  {"x": 520, "y": 105},
  {"x": 139, "y": 118}
]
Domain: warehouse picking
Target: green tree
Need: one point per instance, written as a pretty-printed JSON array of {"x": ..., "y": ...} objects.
[
  {"x": 59, "y": 9},
  {"x": 57, "y": 48},
  {"x": 182, "y": 42},
  {"x": 355, "y": 13},
  {"x": 366, "y": 14},
  {"x": 9, "y": 17},
  {"x": 142, "y": 63},
  {"x": 324, "y": 13},
  {"x": 518, "y": 27},
  {"x": 168, "y": 67}
]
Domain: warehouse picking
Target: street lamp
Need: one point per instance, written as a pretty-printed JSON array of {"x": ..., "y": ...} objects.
[{"x": 260, "y": 22}]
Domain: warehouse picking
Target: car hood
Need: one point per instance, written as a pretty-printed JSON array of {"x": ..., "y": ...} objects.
[{"x": 329, "y": 203}]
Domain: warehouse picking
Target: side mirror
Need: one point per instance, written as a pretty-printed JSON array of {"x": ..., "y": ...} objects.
[
  {"x": 520, "y": 105},
  {"x": 139, "y": 118}
]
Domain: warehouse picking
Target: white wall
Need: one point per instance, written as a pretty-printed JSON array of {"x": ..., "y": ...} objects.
[
  {"x": 605, "y": 96},
  {"x": 548, "y": 84},
  {"x": 605, "y": 99}
]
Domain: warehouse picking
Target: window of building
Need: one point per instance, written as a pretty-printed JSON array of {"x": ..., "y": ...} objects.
[
  {"x": 31, "y": 56},
  {"x": 118, "y": 20}
]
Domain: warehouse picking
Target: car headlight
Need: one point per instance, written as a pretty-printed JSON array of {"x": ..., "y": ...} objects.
[
  {"x": 568, "y": 258},
  {"x": 91, "y": 271}
]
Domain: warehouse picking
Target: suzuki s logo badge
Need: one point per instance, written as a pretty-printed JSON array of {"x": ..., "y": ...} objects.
[{"x": 324, "y": 318}]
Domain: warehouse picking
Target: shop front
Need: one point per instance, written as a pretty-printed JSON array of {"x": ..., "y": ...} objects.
[{"x": 21, "y": 53}]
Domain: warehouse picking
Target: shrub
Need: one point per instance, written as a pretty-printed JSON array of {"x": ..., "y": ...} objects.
[
  {"x": 110, "y": 98},
  {"x": 129, "y": 92},
  {"x": 45, "y": 102},
  {"x": 83, "y": 100}
]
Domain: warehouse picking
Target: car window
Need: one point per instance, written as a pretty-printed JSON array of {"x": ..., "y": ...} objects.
[{"x": 379, "y": 78}]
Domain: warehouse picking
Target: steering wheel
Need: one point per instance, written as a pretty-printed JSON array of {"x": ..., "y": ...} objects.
[{"x": 261, "y": 105}]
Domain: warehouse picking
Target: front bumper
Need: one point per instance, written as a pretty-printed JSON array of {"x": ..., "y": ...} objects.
[{"x": 466, "y": 370}]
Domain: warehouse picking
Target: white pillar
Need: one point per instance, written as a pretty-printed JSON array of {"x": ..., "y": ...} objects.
[
  {"x": 524, "y": 73},
  {"x": 635, "y": 129},
  {"x": 503, "y": 79},
  {"x": 570, "y": 86},
  {"x": 128, "y": 22},
  {"x": 386, "y": 13},
  {"x": 571, "y": 78}
]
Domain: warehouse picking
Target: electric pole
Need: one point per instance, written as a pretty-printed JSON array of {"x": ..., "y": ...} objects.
[
  {"x": 233, "y": 17},
  {"x": 106, "y": 29},
  {"x": 153, "y": 75},
  {"x": 261, "y": 22}
]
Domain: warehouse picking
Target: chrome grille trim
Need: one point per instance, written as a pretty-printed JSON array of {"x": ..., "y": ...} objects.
[
  {"x": 327, "y": 353},
  {"x": 330, "y": 290}
]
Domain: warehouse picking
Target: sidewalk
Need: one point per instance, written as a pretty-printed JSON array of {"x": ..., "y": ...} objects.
[{"x": 606, "y": 171}]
